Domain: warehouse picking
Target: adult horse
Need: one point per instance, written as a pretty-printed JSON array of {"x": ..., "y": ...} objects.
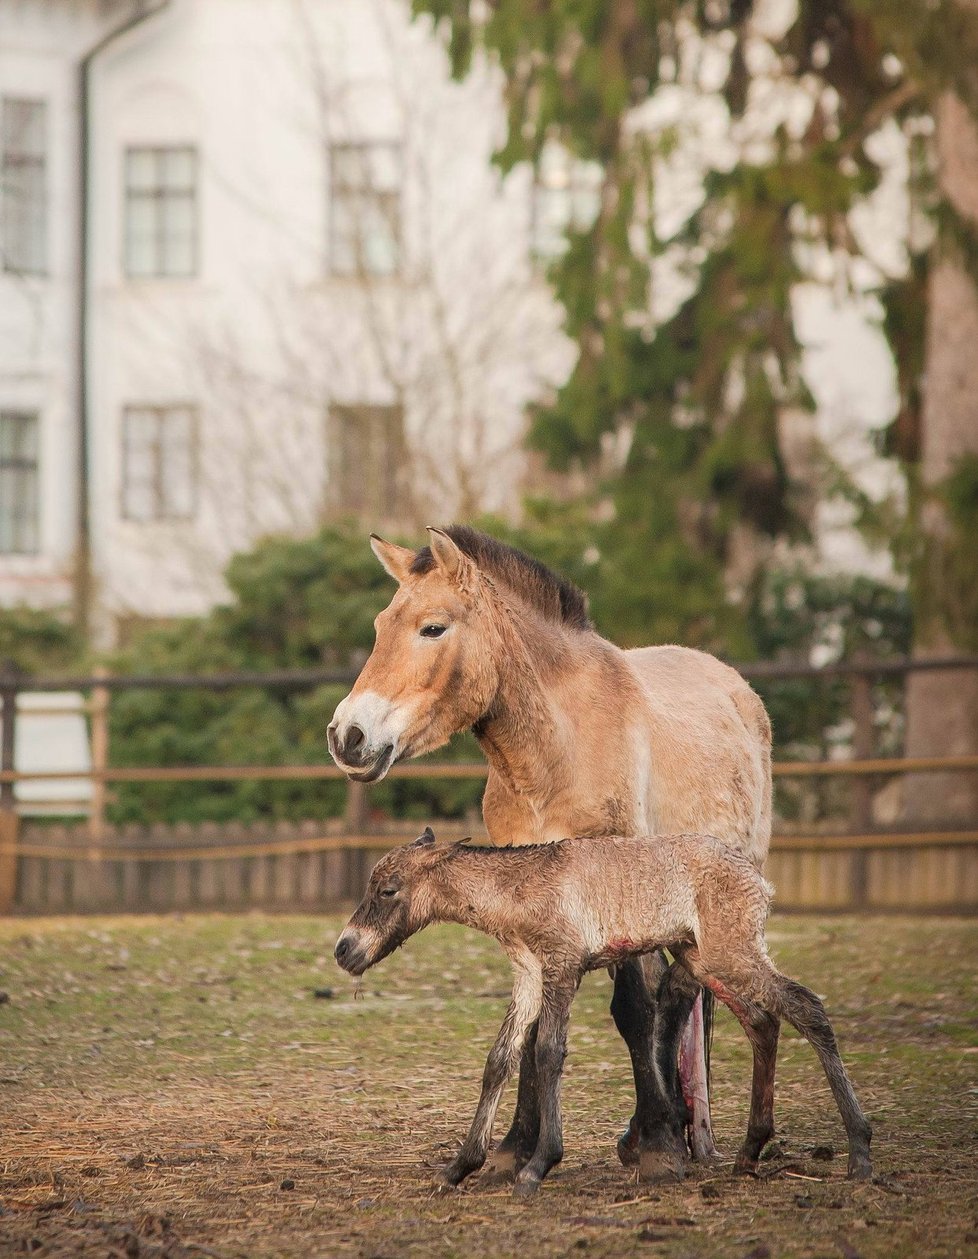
[{"x": 582, "y": 738}]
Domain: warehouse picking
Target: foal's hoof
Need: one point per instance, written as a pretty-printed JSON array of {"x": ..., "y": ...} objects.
[
  {"x": 860, "y": 1168},
  {"x": 661, "y": 1167},
  {"x": 628, "y": 1146},
  {"x": 450, "y": 1177},
  {"x": 525, "y": 1187}
]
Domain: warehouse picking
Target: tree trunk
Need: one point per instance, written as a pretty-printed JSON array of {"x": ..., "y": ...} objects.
[{"x": 942, "y": 707}]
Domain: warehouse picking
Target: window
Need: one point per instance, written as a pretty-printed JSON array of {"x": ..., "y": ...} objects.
[
  {"x": 367, "y": 458},
  {"x": 159, "y": 463},
  {"x": 566, "y": 198},
  {"x": 161, "y": 212},
  {"x": 18, "y": 483},
  {"x": 23, "y": 191},
  {"x": 365, "y": 209}
]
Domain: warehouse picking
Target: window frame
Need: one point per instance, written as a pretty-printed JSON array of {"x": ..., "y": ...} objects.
[
  {"x": 29, "y": 468},
  {"x": 386, "y": 487},
  {"x": 159, "y": 195},
  {"x": 360, "y": 195},
  {"x": 161, "y": 512},
  {"x": 21, "y": 160}
]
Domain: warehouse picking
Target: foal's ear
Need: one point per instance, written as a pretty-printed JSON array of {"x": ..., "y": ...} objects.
[
  {"x": 425, "y": 839},
  {"x": 397, "y": 560},
  {"x": 449, "y": 558}
]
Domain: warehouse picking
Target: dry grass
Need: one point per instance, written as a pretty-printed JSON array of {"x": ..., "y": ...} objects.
[{"x": 172, "y": 1087}]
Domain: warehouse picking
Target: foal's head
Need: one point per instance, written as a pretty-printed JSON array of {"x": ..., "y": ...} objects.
[
  {"x": 393, "y": 908},
  {"x": 432, "y": 670}
]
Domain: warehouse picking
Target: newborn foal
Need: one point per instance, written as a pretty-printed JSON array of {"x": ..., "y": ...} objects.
[{"x": 562, "y": 909}]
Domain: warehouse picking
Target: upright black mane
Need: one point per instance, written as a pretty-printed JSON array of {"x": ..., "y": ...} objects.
[{"x": 555, "y": 597}]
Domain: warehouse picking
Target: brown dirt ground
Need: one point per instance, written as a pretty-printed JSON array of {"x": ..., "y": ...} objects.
[{"x": 172, "y": 1087}]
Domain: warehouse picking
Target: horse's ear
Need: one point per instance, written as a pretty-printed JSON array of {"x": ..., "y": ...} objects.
[
  {"x": 397, "y": 560},
  {"x": 426, "y": 837},
  {"x": 448, "y": 557}
]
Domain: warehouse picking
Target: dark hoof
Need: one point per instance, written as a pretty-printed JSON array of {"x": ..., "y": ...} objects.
[
  {"x": 744, "y": 1165},
  {"x": 451, "y": 1177},
  {"x": 628, "y": 1147},
  {"x": 661, "y": 1167},
  {"x": 525, "y": 1187},
  {"x": 860, "y": 1168}
]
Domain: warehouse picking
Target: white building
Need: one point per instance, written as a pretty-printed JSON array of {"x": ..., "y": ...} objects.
[
  {"x": 256, "y": 267},
  {"x": 303, "y": 290}
]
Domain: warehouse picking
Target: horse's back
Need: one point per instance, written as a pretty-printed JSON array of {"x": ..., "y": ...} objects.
[{"x": 710, "y": 747}]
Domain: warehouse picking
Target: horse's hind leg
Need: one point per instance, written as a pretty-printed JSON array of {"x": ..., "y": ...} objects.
[{"x": 655, "y": 1138}]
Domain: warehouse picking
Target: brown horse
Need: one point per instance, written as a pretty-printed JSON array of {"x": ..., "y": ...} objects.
[
  {"x": 582, "y": 738},
  {"x": 560, "y": 910}
]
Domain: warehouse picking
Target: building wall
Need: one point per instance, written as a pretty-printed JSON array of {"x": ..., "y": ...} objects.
[
  {"x": 264, "y": 338},
  {"x": 39, "y": 47}
]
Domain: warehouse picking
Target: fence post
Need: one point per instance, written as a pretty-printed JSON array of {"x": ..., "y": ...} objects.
[
  {"x": 9, "y": 685},
  {"x": 99, "y": 711},
  {"x": 861, "y": 798},
  {"x": 355, "y": 819}
]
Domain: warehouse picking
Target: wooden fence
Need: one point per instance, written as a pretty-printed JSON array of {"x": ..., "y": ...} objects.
[{"x": 96, "y": 867}]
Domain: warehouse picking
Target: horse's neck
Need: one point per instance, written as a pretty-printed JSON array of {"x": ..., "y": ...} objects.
[{"x": 530, "y": 736}]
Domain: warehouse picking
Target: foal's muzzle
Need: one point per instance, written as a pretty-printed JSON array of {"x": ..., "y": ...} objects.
[{"x": 350, "y": 953}]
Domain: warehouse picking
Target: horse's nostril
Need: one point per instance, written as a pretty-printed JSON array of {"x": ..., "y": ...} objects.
[
  {"x": 355, "y": 739},
  {"x": 342, "y": 948}
]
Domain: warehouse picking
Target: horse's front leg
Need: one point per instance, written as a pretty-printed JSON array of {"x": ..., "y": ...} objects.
[
  {"x": 655, "y": 1138},
  {"x": 551, "y": 1050},
  {"x": 503, "y": 1056}
]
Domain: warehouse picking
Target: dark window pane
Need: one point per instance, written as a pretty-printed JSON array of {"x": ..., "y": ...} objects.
[{"x": 19, "y": 489}]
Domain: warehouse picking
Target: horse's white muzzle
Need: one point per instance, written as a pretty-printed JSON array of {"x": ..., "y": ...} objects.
[{"x": 365, "y": 735}]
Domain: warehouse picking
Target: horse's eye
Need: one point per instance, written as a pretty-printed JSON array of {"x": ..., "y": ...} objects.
[
  {"x": 388, "y": 891},
  {"x": 433, "y": 631}
]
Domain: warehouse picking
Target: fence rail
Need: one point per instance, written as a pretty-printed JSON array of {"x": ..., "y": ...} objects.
[{"x": 98, "y": 866}]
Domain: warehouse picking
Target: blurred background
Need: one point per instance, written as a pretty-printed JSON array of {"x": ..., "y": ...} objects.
[{"x": 681, "y": 297}]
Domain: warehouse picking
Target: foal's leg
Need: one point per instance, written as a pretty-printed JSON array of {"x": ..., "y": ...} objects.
[
  {"x": 551, "y": 1050},
  {"x": 655, "y": 1138},
  {"x": 521, "y": 1140},
  {"x": 762, "y": 1030},
  {"x": 503, "y": 1056},
  {"x": 800, "y": 1006},
  {"x": 768, "y": 990}
]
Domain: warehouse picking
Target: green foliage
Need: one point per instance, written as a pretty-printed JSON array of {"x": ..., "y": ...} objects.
[
  {"x": 295, "y": 604},
  {"x": 35, "y": 641}
]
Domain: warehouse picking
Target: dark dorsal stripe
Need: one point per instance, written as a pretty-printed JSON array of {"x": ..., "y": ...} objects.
[{"x": 555, "y": 597}]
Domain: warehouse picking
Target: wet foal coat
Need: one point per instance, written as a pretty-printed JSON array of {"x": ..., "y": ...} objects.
[
  {"x": 563, "y": 909},
  {"x": 582, "y": 738}
]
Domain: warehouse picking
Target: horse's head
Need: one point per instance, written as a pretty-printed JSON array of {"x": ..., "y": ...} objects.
[
  {"x": 431, "y": 672},
  {"x": 393, "y": 906}
]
